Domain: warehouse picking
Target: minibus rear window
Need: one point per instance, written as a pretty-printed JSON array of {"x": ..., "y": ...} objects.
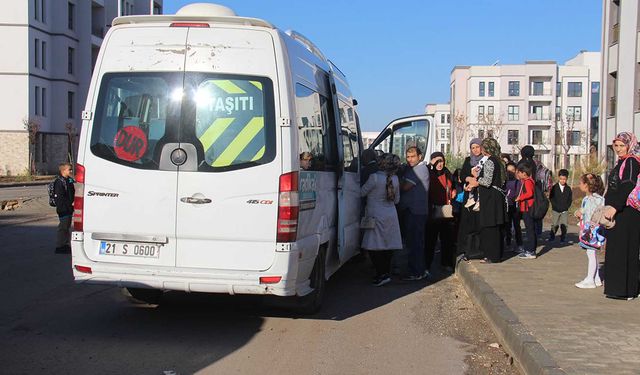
[{"x": 135, "y": 115}]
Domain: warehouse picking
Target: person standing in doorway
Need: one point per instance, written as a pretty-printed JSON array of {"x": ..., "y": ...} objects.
[
  {"x": 63, "y": 195},
  {"x": 414, "y": 200}
]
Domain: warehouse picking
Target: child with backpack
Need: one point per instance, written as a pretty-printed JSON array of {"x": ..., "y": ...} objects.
[
  {"x": 524, "y": 201},
  {"x": 61, "y": 195},
  {"x": 561, "y": 198},
  {"x": 591, "y": 234}
]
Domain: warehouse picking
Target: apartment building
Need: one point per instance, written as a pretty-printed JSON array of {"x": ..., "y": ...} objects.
[
  {"x": 620, "y": 71},
  {"x": 442, "y": 118},
  {"x": 54, "y": 45},
  {"x": 552, "y": 107}
]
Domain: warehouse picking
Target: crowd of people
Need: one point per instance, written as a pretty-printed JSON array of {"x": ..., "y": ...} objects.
[{"x": 479, "y": 210}]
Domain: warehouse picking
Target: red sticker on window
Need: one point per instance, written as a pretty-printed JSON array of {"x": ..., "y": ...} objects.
[{"x": 130, "y": 143}]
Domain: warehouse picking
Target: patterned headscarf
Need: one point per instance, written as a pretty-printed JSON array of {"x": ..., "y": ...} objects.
[
  {"x": 492, "y": 147},
  {"x": 389, "y": 164},
  {"x": 629, "y": 140}
]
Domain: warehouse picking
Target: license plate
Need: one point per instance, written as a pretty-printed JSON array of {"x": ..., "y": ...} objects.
[{"x": 142, "y": 250}]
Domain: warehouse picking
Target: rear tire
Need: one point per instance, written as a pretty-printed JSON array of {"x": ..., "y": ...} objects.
[
  {"x": 312, "y": 302},
  {"x": 142, "y": 295}
]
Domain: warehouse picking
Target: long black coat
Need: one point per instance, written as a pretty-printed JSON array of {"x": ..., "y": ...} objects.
[{"x": 623, "y": 240}]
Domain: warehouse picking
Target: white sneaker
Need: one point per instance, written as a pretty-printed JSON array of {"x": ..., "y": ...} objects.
[
  {"x": 598, "y": 282},
  {"x": 585, "y": 285},
  {"x": 470, "y": 202}
]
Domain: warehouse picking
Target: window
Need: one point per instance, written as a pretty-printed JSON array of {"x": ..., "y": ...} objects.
[
  {"x": 229, "y": 119},
  {"x": 514, "y": 88},
  {"x": 536, "y": 137},
  {"x": 70, "y": 58},
  {"x": 70, "y": 15},
  {"x": 558, "y": 113},
  {"x": 43, "y": 151},
  {"x": 448, "y": 119},
  {"x": 537, "y": 88},
  {"x": 490, "y": 112},
  {"x": 442, "y": 133},
  {"x": 351, "y": 147},
  {"x": 36, "y": 53},
  {"x": 481, "y": 133},
  {"x": 314, "y": 128},
  {"x": 513, "y": 113},
  {"x": 481, "y": 88},
  {"x": 442, "y": 118},
  {"x": 43, "y": 55},
  {"x": 513, "y": 137},
  {"x": 491, "y": 88},
  {"x": 39, "y": 10},
  {"x": 480, "y": 113},
  {"x": 574, "y": 89},
  {"x": 490, "y": 133},
  {"x": 43, "y": 111},
  {"x": 442, "y": 147},
  {"x": 558, "y": 89},
  {"x": 70, "y": 100},
  {"x": 573, "y": 137},
  {"x": 36, "y": 101},
  {"x": 448, "y": 133},
  {"x": 574, "y": 113}
]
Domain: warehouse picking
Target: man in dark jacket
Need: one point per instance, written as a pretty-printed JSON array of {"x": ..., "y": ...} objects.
[
  {"x": 561, "y": 198},
  {"x": 63, "y": 195}
]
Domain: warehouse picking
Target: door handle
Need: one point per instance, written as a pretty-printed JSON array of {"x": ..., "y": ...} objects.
[{"x": 194, "y": 200}]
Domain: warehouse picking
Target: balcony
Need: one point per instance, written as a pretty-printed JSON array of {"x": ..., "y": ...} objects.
[
  {"x": 97, "y": 31},
  {"x": 615, "y": 34},
  {"x": 539, "y": 116},
  {"x": 611, "y": 111}
]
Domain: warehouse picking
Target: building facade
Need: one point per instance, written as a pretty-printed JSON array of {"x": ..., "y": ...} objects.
[
  {"x": 45, "y": 79},
  {"x": 442, "y": 119},
  {"x": 549, "y": 106},
  {"x": 620, "y": 72}
]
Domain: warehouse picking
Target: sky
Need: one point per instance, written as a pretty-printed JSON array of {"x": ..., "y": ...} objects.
[{"x": 398, "y": 55}]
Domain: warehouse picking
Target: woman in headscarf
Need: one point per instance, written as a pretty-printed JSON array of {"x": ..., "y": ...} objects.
[
  {"x": 623, "y": 240},
  {"x": 468, "y": 241},
  {"x": 382, "y": 191},
  {"x": 441, "y": 192},
  {"x": 492, "y": 214}
]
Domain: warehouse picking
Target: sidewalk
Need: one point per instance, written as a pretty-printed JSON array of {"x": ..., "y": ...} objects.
[
  {"x": 547, "y": 324},
  {"x": 30, "y": 209}
]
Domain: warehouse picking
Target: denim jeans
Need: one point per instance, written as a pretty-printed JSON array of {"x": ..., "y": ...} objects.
[{"x": 415, "y": 226}]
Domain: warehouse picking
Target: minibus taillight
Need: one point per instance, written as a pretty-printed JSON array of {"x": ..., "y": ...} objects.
[
  {"x": 189, "y": 24},
  {"x": 78, "y": 199},
  {"x": 288, "y": 208},
  {"x": 83, "y": 269}
]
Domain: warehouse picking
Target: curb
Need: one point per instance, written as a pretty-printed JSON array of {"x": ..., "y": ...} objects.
[{"x": 525, "y": 349}]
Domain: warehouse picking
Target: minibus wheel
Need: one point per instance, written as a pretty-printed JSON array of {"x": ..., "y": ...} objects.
[
  {"x": 143, "y": 295},
  {"x": 312, "y": 302}
]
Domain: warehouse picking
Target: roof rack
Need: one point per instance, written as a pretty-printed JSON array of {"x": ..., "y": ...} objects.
[
  {"x": 246, "y": 21},
  {"x": 306, "y": 43}
]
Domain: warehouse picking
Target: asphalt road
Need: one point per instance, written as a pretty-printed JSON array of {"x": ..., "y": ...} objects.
[
  {"x": 50, "y": 325},
  {"x": 7, "y": 193}
]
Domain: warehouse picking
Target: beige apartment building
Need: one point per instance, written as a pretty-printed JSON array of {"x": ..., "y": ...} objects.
[
  {"x": 620, "y": 71},
  {"x": 54, "y": 45},
  {"x": 442, "y": 124},
  {"x": 552, "y": 107}
]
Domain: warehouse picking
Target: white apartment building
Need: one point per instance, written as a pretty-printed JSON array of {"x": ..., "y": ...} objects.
[
  {"x": 552, "y": 107},
  {"x": 620, "y": 72},
  {"x": 442, "y": 119},
  {"x": 52, "y": 46}
]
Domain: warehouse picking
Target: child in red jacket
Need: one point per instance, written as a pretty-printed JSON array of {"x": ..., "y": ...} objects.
[{"x": 524, "y": 202}]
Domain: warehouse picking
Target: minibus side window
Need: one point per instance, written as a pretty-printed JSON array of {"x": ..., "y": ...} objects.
[{"x": 316, "y": 131}]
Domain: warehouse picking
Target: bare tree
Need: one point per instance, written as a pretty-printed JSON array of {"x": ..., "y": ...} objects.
[
  {"x": 491, "y": 125},
  {"x": 564, "y": 138},
  {"x": 460, "y": 122},
  {"x": 32, "y": 126},
  {"x": 72, "y": 134}
]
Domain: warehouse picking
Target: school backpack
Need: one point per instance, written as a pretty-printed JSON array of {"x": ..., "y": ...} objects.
[
  {"x": 540, "y": 203},
  {"x": 591, "y": 235},
  {"x": 52, "y": 192},
  {"x": 544, "y": 177}
]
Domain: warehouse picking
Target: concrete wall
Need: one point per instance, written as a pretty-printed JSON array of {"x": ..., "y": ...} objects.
[{"x": 14, "y": 152}]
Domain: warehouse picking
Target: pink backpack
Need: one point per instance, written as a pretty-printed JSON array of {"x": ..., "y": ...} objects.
[{"x": 634, "y": 197}]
